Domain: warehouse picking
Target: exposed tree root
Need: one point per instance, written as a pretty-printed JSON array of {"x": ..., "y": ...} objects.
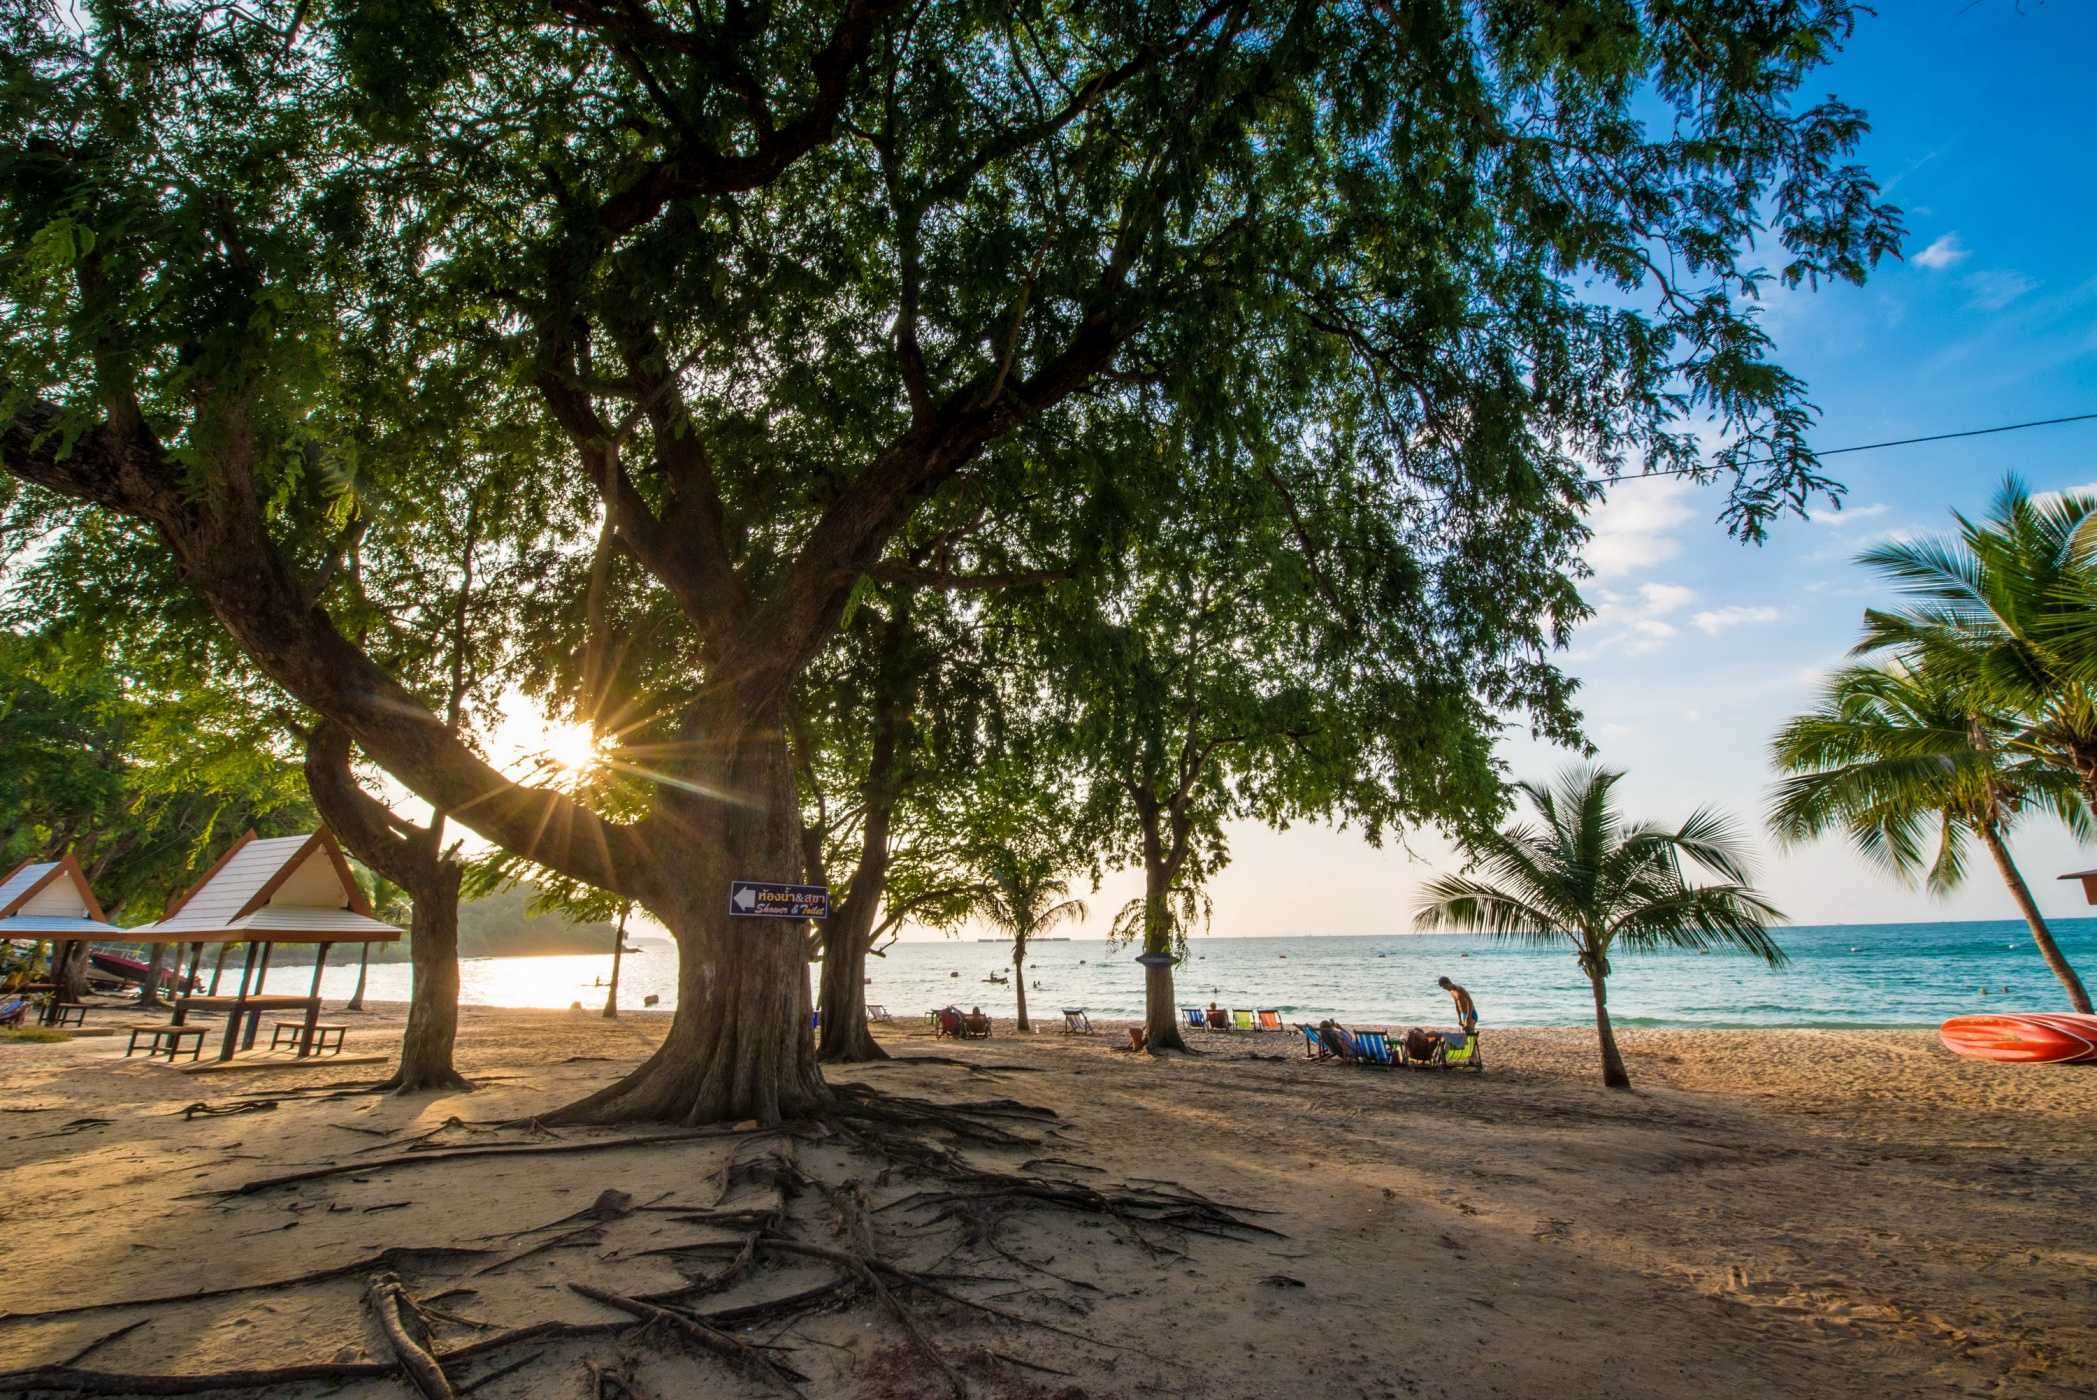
[
  {"x": 750, "y": 1360},
  {"x": 419, "y": 1159},
  {"x": 65, "y": 1380},
  {"x": 408, "y": 1333},
  {"x": 394, "y": 1258}
]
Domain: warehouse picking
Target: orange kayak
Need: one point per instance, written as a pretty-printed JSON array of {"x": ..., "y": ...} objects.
[{"x": 2036, "y": 1038}]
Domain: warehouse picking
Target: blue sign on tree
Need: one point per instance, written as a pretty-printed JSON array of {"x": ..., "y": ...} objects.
[{"x": 758, "y": 899}]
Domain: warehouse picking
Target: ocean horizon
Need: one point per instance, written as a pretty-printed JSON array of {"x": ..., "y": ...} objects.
[{"x": 1853, "y": 976}]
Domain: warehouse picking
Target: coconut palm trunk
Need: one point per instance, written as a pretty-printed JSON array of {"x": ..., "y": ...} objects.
[
  {"x": 1019, "y": 983},
  {"x": 2078, "y": 996},
  {"x": 1614, "y": 1075},
  {"x": 356, "y": 1001}
]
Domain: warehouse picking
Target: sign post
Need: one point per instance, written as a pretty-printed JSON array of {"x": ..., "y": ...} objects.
[{"x": 760, "y": 899}]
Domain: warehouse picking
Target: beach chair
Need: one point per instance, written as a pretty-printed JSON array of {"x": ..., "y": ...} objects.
[
  {"x": 1219, "y": 1019},
  {"x": 14, "y": 1011},
  {"x": 976, "y": 1027},
  {"x": 1313, "y": 1045},
  {"x": 1269, "y": 1020},
  {"x": 1242, "y": 1021},
  {"x": 1075, "y": 1022},
  {"x": 1371, "y": 1048},
  {"x": 949, "y": 1022},
  {"x": 1459, "y": 1050},
  {"x": 878, "y": 1013},
  {"x": 1195, "y": 1019}
]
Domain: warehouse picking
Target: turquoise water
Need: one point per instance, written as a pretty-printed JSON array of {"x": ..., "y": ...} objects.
[{"x": 1855, "y": 975}]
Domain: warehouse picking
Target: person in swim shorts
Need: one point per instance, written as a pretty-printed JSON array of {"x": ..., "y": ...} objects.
[{"x": 1466, "y": 1009}]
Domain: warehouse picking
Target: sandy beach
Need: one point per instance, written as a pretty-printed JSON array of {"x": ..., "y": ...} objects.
[{"x": 1768, "y": 1213}]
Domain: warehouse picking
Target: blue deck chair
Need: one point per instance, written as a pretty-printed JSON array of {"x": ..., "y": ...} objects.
[
  {"x": 1313, "y": 1047},
  {"x": 14, "y": 1010},
  {"x": 1195, "y": 1019},
  {"x": 1372, "y": 1049}
]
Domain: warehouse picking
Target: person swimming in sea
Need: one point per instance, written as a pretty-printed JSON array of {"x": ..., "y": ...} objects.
[{"x": 1466, "y": 1009}]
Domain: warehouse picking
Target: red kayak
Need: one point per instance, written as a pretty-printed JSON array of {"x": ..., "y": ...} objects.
[{"x": 2039, "y": 1038}]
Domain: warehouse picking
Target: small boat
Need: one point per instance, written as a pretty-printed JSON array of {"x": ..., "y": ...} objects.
[
  {"x": 1000, "y": 981},
  {"x": 2057, "y": 1038}
]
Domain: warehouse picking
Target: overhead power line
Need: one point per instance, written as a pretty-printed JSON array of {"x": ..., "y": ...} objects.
[{"x": 1862, "y": 447}]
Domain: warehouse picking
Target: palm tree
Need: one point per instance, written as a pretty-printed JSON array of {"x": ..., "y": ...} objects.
[
  {"x": 1023, "y": 898},
  {"x": 2001, "y": 611},
  {"x": 1895, "y": 754},
  {"x": 1587, "y": 876}
]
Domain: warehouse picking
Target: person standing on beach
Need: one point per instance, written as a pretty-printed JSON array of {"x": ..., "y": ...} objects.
[{"x": 1466, "y": 1009}]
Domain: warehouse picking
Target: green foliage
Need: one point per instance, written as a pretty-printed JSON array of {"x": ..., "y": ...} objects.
[
  {"x": 1586, "y": 875},
  {"x": 1898, "y": 757},
  {"x": 145, "y": 784},
  {"x": 1289, "y": 295},
  {"x": 1999, "y": 612}
]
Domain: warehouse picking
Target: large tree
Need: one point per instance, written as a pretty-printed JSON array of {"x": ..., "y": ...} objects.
[{"x": 778, "y": 278}]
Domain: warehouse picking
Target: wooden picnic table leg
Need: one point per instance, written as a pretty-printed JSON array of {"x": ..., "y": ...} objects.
[
  {"x": 239, "y": 1009},
  {"x": 255, "y": 1017},
  {"x": 320, "y": 962}
]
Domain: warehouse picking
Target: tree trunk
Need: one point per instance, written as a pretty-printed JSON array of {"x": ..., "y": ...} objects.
[
  {"x": 845, "y": 1037},
  {"x": 149, "y": 997},
  {"x": 1161, "y": 1013},
  {"x": 1991, "y": 837},
  {"x": 611, "y": 995},
  {"x": 433, "y": 1002},
  {"x": 1613, "y": 1072},
  {"x": 70, "y": 974},
  {"x": 1019, "y": 983},
  {"x": 739, "y": 1045},
  {"x": 356, "y": 1001}
]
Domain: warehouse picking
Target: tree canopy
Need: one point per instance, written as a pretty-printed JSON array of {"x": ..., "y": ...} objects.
[{"x": 763, "y": 290}]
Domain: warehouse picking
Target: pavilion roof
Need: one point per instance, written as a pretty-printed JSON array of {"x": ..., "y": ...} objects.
[{"x": 286, "y": 889}]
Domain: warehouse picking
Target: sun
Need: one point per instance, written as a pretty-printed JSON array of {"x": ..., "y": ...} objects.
[{"x": 572, "y": 748}]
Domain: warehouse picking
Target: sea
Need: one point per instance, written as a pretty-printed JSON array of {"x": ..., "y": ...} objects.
[{"x": 1839, "y": 975}]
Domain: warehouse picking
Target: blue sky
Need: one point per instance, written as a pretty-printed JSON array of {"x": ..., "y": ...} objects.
[{"x": 1982, "y": 123}]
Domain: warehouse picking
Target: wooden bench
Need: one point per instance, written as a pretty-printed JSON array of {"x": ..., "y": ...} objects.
[
  {"x": 158, "y": 1034},
  {"x": 325, "y": 1034},
  {"x": 69, "y": 1013}
]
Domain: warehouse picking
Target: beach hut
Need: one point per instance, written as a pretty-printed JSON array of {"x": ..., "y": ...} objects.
[
  {"x": 51, "y": 899},
  {"x": 287, "y": 889}
]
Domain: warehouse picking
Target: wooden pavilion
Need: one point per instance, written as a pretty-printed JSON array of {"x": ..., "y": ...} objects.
[
  {"x": 51, "y": 899},
  {"x": 287, "y": 889}
]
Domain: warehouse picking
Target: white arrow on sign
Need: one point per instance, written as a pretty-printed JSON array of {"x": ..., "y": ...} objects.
[{"x": 745, "y": 898}]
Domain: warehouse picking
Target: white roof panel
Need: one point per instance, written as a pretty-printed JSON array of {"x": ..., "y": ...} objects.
[
  {"x": 45, "y": 925},
  {"x": 21, "y": 880}
]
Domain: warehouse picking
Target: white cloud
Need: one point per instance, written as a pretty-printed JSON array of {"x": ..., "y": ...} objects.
[
  {"x": 1992, "y": 291},
  {"x": 1636, "y": 623},
  {"x": 1713, "y": 621},
  {"x": 1634, "y": 526},
  {"x": 1945, "y": 252},
  {"x": 2048, "y": 498},
  {"x": 1849, "y": 515}
]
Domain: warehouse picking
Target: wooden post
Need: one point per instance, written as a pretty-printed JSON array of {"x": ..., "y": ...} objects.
[
  {"x": 320, "y": 962},
  {"x": 247, "y": 1042},
  {"x": 240, "y": 1006}
]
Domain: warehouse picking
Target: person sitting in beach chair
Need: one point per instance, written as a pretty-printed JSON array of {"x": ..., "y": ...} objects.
[
  {"x": 978, "y": 1024},
  {"x": 948, "y": 1022},
  {"x": 1313, "y": 1043},
  {"x": 1339, "y": 1041},
  {"x": 1219, "y": 1019},
  {"x": 1419, "y": 1046}
]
